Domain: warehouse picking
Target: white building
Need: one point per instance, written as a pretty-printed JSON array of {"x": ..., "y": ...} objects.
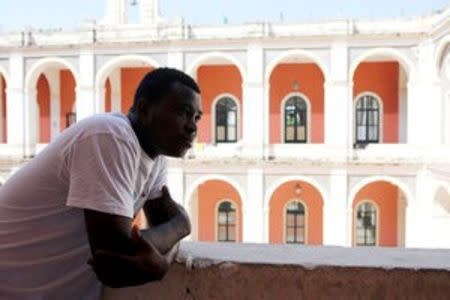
[{"x": 334, "y": 133}]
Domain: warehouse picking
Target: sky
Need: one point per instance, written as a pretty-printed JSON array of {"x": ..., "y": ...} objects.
[{"x": 20, "y": 14}]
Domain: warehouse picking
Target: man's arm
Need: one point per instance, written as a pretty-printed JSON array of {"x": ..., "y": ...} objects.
[
  {"x": 120, "y": 255},
  {"x": 125, "y": 256},
  {"x": 168, "y": 220}
]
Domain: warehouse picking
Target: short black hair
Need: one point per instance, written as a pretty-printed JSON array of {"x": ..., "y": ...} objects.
[{"x": 158, "y": 83}]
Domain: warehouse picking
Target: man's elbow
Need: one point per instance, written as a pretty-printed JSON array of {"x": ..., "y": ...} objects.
[
  {"x": 121, "y": 283},
  {"x": 129, "y": 278}
]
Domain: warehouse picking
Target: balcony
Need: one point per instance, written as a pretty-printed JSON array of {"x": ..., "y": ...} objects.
[{"x": 251, "y": 271}]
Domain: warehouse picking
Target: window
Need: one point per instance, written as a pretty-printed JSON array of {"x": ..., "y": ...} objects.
[
  {"x": 226, "y": 222},
  {"x": 226, "y": 120},
  {"x": 367, "y": 120},
  {"x": 71, "y": 118},
  {"x": 295, "y": 120},
  {"x": 366, "y": 225},
  {"x": 295, "y": 223}
]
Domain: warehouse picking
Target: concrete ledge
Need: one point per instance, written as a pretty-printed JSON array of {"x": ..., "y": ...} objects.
[{"x": 248, "y": 271}]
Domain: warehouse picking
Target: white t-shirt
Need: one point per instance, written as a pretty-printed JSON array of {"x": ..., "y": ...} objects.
[{"x": 96, "y": 164}]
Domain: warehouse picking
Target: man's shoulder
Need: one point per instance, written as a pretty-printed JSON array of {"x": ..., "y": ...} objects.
[{"x": 113, "y": 124}]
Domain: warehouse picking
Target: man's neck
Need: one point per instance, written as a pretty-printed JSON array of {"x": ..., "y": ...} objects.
[{"x": 138, "y": 131}]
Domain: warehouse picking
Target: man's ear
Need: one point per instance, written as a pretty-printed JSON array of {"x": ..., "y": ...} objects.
[{"x": 145, "y": 110}]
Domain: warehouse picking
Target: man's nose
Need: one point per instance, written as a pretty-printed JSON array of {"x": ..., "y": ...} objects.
[{"x": 191, "y": 127}]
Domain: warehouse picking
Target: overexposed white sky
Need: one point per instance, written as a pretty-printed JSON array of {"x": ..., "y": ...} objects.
[{"x": 19, "y": 14}]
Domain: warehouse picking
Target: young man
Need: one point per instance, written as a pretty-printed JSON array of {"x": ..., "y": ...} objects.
[{"x": 66, "y": 216}]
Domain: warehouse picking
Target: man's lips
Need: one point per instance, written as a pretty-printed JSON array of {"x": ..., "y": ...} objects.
[{"x": 186, "y": 141}]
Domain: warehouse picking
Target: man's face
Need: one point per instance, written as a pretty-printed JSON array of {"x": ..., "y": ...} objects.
[{"x": 173, "y": 125}]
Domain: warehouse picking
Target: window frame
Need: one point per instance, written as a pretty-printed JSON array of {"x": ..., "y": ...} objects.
[
  {"x": 377, "y": 225},
  {"x": 305, "y": 227},
  {"x": 214, "y": 118},
  {"x": 283, "y": 118},
  {"x": 217, "y": 225},
  {"x": 356, "y": 100}
]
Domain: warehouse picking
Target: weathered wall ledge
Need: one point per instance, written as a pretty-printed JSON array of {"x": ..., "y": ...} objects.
[{"x": 250, "y": 271}]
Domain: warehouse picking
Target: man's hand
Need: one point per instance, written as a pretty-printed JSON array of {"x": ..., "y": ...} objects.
[
  {"x": 143, "y": 266},
  {"x": 169, "y": 222},
  {"x": 164, "y": 208}
]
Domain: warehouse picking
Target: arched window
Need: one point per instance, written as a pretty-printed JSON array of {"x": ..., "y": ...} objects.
[
  {"x": 226, "y": 223},
  {"x": 295, "y": 223},
  {"x": 367, "y": 120},
  {"x": 295, "y": 120},
  {"x": 226, "y": 120},
  {"x": 366, "y": 224}
]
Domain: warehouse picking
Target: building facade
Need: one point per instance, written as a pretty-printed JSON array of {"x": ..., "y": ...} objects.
[{"x": 329, "y": 133}]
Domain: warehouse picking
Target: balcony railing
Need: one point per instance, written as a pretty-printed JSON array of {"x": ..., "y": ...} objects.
[{"x": 251, "y": 271}]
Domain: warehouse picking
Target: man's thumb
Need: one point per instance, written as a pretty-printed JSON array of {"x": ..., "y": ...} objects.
[{"x": 165, "y": 191}]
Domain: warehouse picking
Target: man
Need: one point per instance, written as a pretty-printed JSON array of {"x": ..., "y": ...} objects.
[{"x": 66, "y": 216}]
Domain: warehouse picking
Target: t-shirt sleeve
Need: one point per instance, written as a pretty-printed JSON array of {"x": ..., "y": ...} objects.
[
  {"x": 102, "y": 171},
  {"x": 160, "y": 180}
]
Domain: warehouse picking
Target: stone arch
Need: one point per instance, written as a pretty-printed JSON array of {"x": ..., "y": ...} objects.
[
  {"x": 40, "y": 66},
  {"x": 317, "y": 238},
  {"x": 191, "y": 202},
  {"x": 287, "y": 56},
  {"x": 391, "y": 235},
  {"x": 122, "y": 89},
  {"x": 384, "y": 53},
  {"x": 102, "y": 73},
  {"x": 215, "y": 58},
  {"x": 442, "y": 50}
]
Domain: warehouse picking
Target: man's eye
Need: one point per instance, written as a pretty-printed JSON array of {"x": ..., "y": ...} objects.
[{"x": 182, "y": 112}]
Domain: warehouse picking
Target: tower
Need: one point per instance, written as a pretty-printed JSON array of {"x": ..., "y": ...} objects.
[
  {"x": 116, "y": 12},
  {"x": 149, "y": 12}
]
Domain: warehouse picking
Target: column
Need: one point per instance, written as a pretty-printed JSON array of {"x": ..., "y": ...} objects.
[
  {"x": 419, "y": 213},
  {"x": 148, "y": 12},
  {"x": 336, "y": 212},
  {"x": 31, "y": 115},
  {"x": 53, "y": 78},
  {"x": 1, "y": 108},
  {"x": 338, "y": 100},
  {"x": 175, "y": 59},
  {"x": 424, "y": 100},
  {"x": 116, "y": 12},
  {"x": 253, "y": 208},
  {"x": 175, "y": 183},
  {"x": 255, "y": 105},
  {"x": 88, "y": 101},
  {"x": 16, "y": 104},
  {"x": 115, "y": 80}
]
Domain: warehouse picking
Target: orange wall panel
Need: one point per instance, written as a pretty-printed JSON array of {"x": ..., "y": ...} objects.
[
  {"x": 108, "y": 96},
  {"x": 43, "y": 99},
  {"x": 311, "y": 198},
  {"x": 130, "y": 79},
  {"x": 381, "y": 78},
  {"x": 4, "y": 108},
  {"x": 67, "y": 93},
  {"x": 210, "y": 194},
  {"x": 311, "y": 81},
  {"x": 384, "y": 194},
  {"x": 213, "y": 81}
]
